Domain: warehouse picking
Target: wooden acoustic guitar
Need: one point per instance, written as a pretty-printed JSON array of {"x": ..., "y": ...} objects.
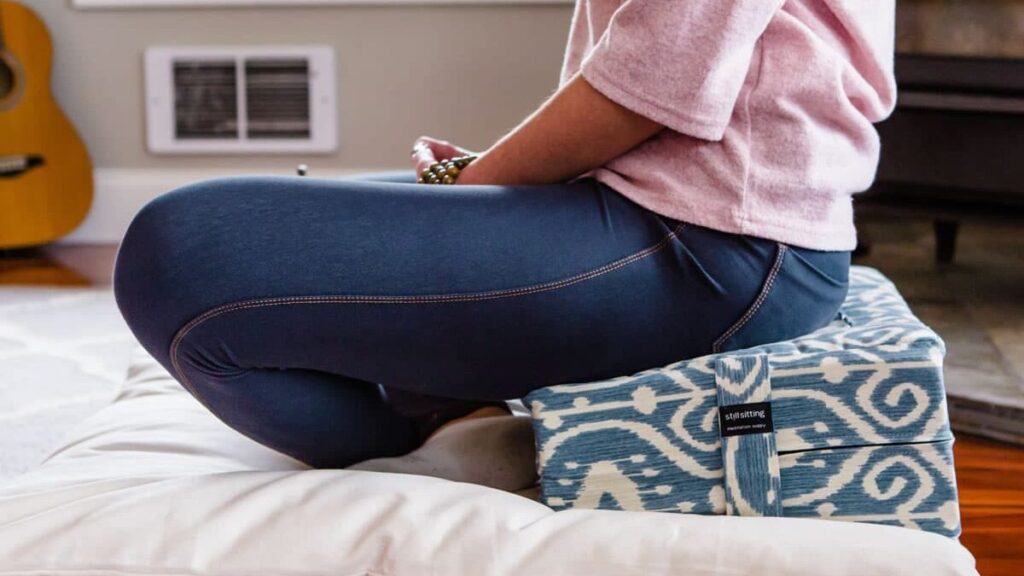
[{"x": 45, "y": 174}]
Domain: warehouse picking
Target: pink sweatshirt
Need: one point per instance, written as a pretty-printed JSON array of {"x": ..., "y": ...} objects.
[{"x": 769, "y": 105}]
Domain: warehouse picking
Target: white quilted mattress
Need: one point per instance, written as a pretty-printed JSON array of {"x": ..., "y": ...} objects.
[
  {"x": 63, "y": 354},
  {"x": 153, "y": 484}
]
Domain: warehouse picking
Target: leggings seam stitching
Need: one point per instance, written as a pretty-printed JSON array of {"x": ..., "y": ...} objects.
[
  {"x": 418, "y": 299},
  {"x": 758, "y": 302}
]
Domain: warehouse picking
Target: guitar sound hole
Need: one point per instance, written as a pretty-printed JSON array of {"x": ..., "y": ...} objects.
[{"x": 6, "y": 78}]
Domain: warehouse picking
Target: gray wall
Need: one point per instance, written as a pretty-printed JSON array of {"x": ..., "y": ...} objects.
[
  {"x": 464, "y": 73},
  {"x": 993, "y": 28}
]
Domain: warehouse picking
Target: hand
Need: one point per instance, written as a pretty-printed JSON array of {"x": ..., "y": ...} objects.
[
  {"x": 576, "y": 130},
  {"x": 428, "y": 150}
]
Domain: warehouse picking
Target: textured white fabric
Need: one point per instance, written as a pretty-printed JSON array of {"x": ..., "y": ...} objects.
[
  {"x": 63, "y": 355},
  {"x": 153, "y": 484}
]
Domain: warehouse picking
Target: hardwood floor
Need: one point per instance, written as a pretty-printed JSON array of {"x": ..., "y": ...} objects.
[
  {"x": 990, "y": 474},
  {"x": 58, "y": 266}
]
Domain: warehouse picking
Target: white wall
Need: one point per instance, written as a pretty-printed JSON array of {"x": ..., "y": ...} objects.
[{"x": 466, "y": 73}]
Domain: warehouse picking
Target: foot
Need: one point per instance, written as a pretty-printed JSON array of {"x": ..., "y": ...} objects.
[
  {"x": 487, "y": 447},
  {"x": 485, "y": 412}
]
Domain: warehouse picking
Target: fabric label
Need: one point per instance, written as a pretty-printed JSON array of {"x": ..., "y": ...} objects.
[{"x": 741, "y": 419}]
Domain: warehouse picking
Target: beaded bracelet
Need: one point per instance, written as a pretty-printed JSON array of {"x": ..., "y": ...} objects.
[{"x": 445, "y": 171}]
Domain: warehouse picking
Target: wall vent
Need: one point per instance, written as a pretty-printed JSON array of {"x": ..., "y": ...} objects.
[{"x": 237, "y": 99}]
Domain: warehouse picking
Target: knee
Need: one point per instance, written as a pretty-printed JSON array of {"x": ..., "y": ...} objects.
[{"x": 150, "y": 271}]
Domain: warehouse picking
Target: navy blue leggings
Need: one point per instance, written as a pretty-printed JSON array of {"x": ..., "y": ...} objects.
[{"x": 290, "y": 306}]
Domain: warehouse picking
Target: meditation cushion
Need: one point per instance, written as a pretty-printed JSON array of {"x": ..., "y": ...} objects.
[{"x": 846, "y": 423}]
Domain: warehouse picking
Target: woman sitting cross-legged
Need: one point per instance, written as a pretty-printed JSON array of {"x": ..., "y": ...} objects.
[{"x": 686, "y": 190}]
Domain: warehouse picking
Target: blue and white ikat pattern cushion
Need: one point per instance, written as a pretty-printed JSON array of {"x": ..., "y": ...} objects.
[{"x": 846, "y": 423}]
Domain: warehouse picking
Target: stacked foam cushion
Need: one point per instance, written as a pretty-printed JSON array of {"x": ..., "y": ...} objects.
[{"x": 846, "y": 423}]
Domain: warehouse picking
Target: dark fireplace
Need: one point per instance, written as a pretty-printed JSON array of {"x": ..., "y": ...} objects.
[{"x": 954, "y": 147}]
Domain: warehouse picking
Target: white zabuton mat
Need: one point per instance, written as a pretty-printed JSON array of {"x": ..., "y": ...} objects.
[{"x": 153, "y": 484}]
